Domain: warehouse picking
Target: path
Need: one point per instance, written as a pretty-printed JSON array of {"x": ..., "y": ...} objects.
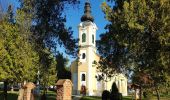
[{"x": 76, "y": 97}]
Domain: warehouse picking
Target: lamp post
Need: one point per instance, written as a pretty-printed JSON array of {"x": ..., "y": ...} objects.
[
  {"x": 38, "y": 76},
  {"x": 38, "y": 84}
]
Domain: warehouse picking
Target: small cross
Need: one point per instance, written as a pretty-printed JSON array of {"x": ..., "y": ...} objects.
[{"x": 87, "y": 0}]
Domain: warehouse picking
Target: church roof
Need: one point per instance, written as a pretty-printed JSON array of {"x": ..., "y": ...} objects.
[{"x": 87, "y": 13}]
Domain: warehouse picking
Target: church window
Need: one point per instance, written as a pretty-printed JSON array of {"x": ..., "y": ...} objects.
[
  {"x": 93, "y": 39},
  {"x": 83, "y": 56},
  {"x": 83, "y": 77},
  {"x": 83, "y": 37}
]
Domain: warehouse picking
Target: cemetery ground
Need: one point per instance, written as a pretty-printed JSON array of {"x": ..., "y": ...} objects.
[{"x": 51, "y": 95}]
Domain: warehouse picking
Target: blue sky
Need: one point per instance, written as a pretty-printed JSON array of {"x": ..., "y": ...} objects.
[
  {"x": 74, "y": 14},
  {"x": 5, "y": 3}
]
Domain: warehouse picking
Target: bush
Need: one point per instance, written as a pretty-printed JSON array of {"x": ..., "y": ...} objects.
[
  {"x": 115, "y": 95},
  {"x": 105, "y": 95}
]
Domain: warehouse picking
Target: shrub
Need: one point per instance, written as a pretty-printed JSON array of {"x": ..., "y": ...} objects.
[
  {"x": 115, "y": 95},
  {"x": 105, "y": 95}
]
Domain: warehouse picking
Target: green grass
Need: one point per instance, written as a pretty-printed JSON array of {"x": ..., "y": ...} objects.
[
  {"x": 124, "y": 98},
  {"x": 11, "y": 95},
  {"x": 52, "y": 96},
  {"x": 90, "y": 98},
  {"x": 14, "y": 95},
  {"x": 99, "y": 98}
]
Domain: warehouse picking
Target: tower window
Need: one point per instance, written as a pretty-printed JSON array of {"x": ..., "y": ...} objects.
[
  {"x": 83, "y": 77},
  {"x": 83, "y": 37},
  {"x": 83, "y": 56},
  {"x": 93, "y": 39}
]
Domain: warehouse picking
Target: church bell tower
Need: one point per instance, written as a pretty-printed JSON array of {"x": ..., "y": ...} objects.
[
  {"x": 87, "y": 48},
  {"x": 87, "y": 33}
]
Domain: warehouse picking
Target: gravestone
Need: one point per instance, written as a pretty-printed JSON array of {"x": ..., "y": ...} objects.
[
  {"x": 28, "y": 91},
  {"x": 64, "y": 89},
  {"x": 137, "y": 91}
]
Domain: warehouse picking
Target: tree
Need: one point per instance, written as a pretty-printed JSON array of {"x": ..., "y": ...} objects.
[
  {"x": 49, "y": 30},
  {"x": 49, "y": 27},
  {"x": 18, "y": 59},
  {"x": 48, "y": 75},
  {"x": 137, "y": 39},
  {"x": 1, "y": 12},
  {"x": 62, "y": 70}
]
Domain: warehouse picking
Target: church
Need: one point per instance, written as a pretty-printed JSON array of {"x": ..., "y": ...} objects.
[{"x": 83, "y": 69}]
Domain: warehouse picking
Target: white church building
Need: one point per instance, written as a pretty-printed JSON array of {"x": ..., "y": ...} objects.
[{"x": 83, "y": 69}]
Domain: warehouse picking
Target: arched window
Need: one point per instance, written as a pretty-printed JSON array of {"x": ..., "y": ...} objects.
[
  {"x": 83, "y": 37},
  {"x": 93, "y": 38},
  {"x": 83, "y": 56},
  {"x": 83, "y": 77}
]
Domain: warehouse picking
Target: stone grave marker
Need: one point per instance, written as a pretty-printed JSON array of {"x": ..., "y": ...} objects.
[
  {"x": 28, "y": 91},
  {"x": 64, "y": 89}
]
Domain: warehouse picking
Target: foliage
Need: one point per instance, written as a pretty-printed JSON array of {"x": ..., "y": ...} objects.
[
  {"x": 17, "y": 55},
  {"x": 137, "y": 39},
  {"x": 114, "y": 88},
  {"x": 63, "y": 72},
  {"x": 49, "y": 34},
  {"x": 48, "y": 72},
  {"x": 49, "y": 28},
  {"x": 115, "y": 95},
  {"x": 105, "y": 95}
]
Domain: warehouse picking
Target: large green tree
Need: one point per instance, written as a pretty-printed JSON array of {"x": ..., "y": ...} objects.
[
  {"x": 137, "y": 39},
  {"x": 49, "y": 31},
  {"x": 49, "y": 25},
  {"x": 17, "y": 56}
]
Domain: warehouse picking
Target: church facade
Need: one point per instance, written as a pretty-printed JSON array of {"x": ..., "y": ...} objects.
[{"x": 84, "y": 70}]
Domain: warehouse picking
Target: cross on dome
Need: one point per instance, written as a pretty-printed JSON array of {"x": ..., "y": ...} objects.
[{"x": 87, "y": 12}]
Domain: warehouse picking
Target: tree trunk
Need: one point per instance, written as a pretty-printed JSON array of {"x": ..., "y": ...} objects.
[
  {"x": 140, "y": 91},
  {"x": 5, "y": 89},
  {"x": 157, "y": 94}
]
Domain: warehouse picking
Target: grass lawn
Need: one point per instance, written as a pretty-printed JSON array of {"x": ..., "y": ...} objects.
[
  {"x": 11, "y": 95},
  {"x": 124, "y": 98},
  {"x": 90, "y": 98},
  {"x": 14, "y": 95},
  {"x": 99, "y": 98},
  {"x": 52, "y": 96}
]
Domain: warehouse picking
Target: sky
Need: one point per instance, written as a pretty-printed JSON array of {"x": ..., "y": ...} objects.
[
  {"x": 73, "y": 15},
  {"x": 5, "y": 3}
]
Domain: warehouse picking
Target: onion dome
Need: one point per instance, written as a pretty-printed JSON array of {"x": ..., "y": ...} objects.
[{"x": 87, "y": 13}]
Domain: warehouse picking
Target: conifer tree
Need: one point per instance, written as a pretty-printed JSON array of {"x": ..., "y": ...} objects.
[{"x": 18, "y": 59}]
